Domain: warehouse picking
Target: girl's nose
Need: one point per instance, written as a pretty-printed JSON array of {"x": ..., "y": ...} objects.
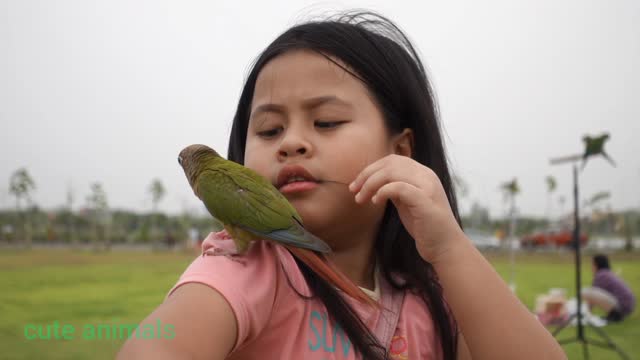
[
  {"x": 293, "y": 145},
  {"x": 286, "y": 154}
]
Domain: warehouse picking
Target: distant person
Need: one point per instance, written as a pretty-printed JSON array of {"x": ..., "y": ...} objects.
[
  {"x": 609, "y": 292},
  {"x": 171, "y": 241}
]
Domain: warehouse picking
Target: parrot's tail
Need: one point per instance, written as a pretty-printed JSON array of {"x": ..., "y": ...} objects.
[{"x": 332, "y": 276}]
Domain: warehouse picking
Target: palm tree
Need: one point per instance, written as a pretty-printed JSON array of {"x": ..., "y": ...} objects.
[
  {"x": 552, "y": 184},
  {"x": 97, "y": 202},
  {"x": 627, "y": 231},
  {"x": 509, "y": 190},
  {"x": 20, "y": 185},
  {"x": 597, "y": 198},
  {"x": 70, "y": 226},
  {"x": 157, "y": 191},
  {"x": 597, "y": 213},
  {"x": 561, "y": 201},
  {"x": 461, "y": 187}
]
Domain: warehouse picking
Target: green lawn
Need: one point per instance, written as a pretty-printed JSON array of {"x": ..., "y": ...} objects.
[
  {"x": 80, "y": 289},
  {"x": 536, "y": 273},
  {"x": 84, "y": 290}
]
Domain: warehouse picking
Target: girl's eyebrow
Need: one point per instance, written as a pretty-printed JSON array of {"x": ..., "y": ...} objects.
[
  {"x": 308, "y": 104},
  {"x": 321, "y": 100},
  {"x": 265, "y": 108}
]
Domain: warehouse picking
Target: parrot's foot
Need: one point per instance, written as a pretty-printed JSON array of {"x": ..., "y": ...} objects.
[
  {"x": 237, "y": 259},
  {"x": 217, "y": 251},
  {"x": 229, "y": 254},
  {"x": 222, "y": 235}
]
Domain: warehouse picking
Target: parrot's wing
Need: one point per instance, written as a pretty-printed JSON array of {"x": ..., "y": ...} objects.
[
  {"x": 250, "y": 202},
  {"x": 293, "y": 235}
]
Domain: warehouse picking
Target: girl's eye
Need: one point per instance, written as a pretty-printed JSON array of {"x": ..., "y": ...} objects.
[
  {"x": 328, "y": 124},
  {"x": 269, "y": 133}
]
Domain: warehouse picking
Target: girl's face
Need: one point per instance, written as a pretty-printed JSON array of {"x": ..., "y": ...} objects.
[{"x": 308, "y": 112}]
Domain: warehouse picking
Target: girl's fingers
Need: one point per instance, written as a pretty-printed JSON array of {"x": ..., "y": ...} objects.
[
  {"x": 372, "y": 183},
  {"x": 396, "y": 161},
  {"x": 388, "y": 169},
  {"x": 398, "y": 191},
  {"x": 366, "y": 172}
]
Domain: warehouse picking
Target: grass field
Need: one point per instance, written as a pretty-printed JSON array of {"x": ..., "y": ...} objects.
[{"x": 86, "y": 290}]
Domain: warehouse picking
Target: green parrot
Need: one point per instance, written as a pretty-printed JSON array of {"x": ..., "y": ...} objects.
[
  {"x": 251, "y": 208},
  {"x": 246, "y": 203},
  {"x": 595, "y": 146}
]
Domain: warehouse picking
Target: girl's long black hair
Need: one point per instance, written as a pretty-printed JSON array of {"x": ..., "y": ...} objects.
[{"x": 378, "y": 53}]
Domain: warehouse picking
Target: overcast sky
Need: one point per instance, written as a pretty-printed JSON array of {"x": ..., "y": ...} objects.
[{"x": 110, "y": 91}]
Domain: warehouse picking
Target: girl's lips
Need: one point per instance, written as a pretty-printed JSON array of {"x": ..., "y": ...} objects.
[
  {"x": 298, "y": 187},
  {"x": 304, "y": 180}
]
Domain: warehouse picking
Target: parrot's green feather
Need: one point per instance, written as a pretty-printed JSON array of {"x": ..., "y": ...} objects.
[{"x": 238, "y": 196}]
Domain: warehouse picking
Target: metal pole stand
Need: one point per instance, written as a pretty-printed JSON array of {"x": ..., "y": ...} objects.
[{"x": 580, "y": 337}]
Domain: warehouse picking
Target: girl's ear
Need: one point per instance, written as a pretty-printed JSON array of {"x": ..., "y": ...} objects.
[{"x": 403, "y": 143}]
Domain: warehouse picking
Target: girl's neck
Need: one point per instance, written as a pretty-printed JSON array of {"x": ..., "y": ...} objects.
[{"x": 357, "y": 260}]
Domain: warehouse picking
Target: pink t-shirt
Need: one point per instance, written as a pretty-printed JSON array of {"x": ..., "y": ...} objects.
[{"x": 274, "y": 322}]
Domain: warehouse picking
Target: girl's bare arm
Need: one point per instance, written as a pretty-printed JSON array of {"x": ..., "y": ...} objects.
[
  {"x": 203, "y": 324},
  {"x": 494, "y": 322},
  {"x": 496, "y": 325}
]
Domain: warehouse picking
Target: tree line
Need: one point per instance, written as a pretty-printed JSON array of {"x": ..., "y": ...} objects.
[
  {"x": 101, "y": 226},
  {"x": 95, "y": 223}
]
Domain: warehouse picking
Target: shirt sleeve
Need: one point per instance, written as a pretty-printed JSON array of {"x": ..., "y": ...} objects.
[
  {"x": 247, "y": 283},
  {"x": 600, "y": 280}
]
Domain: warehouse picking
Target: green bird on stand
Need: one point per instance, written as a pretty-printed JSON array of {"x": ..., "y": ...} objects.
[
  {"x": 251, "y": 208},
  {"x": 595, "y": 146}
]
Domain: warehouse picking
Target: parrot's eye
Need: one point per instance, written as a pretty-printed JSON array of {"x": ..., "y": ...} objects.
[{"x": 180, "y": 160}]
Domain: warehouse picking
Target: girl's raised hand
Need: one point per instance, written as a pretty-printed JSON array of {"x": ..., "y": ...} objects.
[{"x": 417, "y": 193}]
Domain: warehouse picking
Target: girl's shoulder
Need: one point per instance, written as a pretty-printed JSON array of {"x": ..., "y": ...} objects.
[
  {"x": 260, "y": 266},
  {"x": 253, "y": 284}
]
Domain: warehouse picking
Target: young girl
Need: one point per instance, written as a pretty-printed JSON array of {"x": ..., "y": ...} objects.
[{"x": 345, "y": 105}]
